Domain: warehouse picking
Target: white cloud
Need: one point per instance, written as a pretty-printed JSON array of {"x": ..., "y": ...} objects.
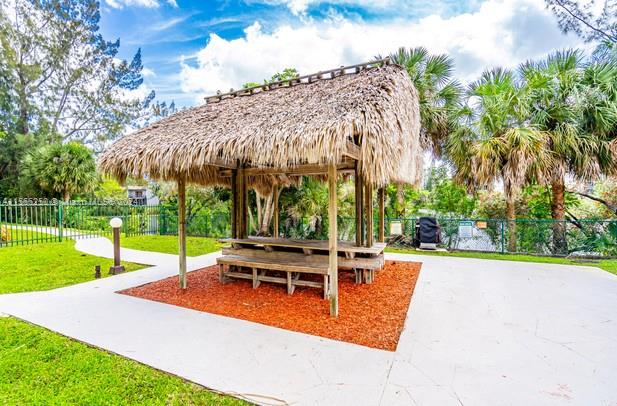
[
  {"x": 138, "y": 3},
  {"x": 301, "y": 6},
  {"x": 148, "y": 73},
  {"x": 500, "y": 33}
]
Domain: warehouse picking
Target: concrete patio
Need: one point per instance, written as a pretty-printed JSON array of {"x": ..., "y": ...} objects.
[{"x": 478, "y": 332}]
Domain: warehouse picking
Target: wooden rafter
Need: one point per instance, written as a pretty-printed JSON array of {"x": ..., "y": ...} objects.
[
  {"x": 352, "y": 151},
  {"x": 345, "y": 167}
]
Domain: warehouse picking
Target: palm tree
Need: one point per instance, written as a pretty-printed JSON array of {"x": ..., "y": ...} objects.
[
  {"x": 574, "y": 104},
  {"x": 495, "y": 143},
  {"x": 439, "y": 96},
  {"x": 62, "y": 169}
]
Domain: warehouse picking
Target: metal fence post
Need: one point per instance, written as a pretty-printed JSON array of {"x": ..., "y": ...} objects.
[
  {"x": 503, "y": 240},
  {"x": 60, "y": 220}
]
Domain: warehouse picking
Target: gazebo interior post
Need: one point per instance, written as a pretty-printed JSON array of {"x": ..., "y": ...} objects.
[
  {"x": 359, "y": 205},
  {"x": 234, "y": 204},
  {"x": 243, "y": 204},
  {"x": 182, "y": 232},
  {"x": 381, "y": 196},
  {"x": 275, "y": 214},
  {"x": 332, "y": 240},
  {"x": 369, "y": 213}
]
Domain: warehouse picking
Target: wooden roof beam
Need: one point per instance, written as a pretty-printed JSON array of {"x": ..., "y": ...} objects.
[
  {"x": 221, "y": 163},
  {"x": 352, "y": 151},
  {"x": 312, "y": 169}
]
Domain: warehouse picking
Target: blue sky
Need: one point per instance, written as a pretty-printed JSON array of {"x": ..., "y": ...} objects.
[{"x": 192, "y": 48}]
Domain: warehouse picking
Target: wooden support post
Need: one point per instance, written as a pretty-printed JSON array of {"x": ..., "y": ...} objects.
[
  {"x": 359, "y": 205},
  {"x": 234, "y": 204},
  {"x": 245, "y": 202},
  {"x": 325, "y": 287},
  {"x": 240, "y": 219},
  {"x": 275, "y": 214},
  {"x": 289, "y": 286},
  {"x": 182, "y": 231},
  {"x": 381, "y": 196},
  {"x": 369, "y": 214},
  {"x": 255, "y": 281},
  {"x": 332, "y": 240}
]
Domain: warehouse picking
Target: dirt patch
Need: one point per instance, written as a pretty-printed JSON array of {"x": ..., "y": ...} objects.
[{"x": 371, "y": 315}]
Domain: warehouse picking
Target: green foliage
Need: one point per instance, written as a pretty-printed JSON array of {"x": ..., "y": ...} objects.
[
  {"x": 306, "y": 207},
  {"x": 286, "y": 74},
  {"x": 439, "y": 95},
  {"x": 62, "y": 170},
  {"x": 62, "y": 74},
  {"x": 108, "y": 188},
  {"x": 536, "y": 202},
  {"x": 41, "y": 367},
  {"x": 447, "y": 198},
  {"x": 13, "y": 148},
  {"x": 491, "y": 205},
  {"x": 412, "y": 200}
]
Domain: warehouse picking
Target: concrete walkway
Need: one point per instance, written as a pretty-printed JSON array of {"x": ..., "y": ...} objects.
[{"x": 478, "y": 332}]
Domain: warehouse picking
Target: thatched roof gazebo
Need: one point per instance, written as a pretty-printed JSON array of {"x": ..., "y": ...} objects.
[{"x": 361, "y": 120}]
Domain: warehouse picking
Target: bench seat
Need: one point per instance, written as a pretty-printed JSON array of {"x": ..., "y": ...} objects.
[{"x": 259, "y": 267}]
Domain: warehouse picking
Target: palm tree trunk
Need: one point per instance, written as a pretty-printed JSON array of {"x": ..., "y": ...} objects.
[
  {"x": 558, "y": 212},
  {"x": 400, "y": 201},
  {"x": 259, "y": 211},
  {"x": 511, "y": 217},
  {"x": 266, "y": 216}
]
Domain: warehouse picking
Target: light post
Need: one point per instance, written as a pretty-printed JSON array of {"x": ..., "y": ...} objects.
[{"x": 115, "y": 224}]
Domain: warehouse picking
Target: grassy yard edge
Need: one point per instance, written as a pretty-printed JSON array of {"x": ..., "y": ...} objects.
[
  {"x": 225, "y": 398},
  {"x": 608, "y": 265}
]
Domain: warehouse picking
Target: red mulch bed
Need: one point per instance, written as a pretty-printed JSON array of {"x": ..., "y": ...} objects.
[{"x": 370, "y": 315}]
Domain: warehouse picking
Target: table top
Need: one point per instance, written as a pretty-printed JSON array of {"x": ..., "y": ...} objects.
[{"x": 342, "y": 246}]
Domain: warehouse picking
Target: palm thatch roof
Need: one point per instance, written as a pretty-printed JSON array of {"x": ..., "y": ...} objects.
[{"x": 309, "y": 120}]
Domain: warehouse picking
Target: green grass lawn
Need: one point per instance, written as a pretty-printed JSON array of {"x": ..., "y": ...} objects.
[
  {"x": 168, "y": 244},
  {"x": 44, "y": 266},
  {"x": 609, "y": 265},
  {"x": 40, "y": 367}
]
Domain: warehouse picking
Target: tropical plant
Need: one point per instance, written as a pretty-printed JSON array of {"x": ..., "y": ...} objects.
[
  {"x": 62, "y": 169},
  {"x": 499, "y": 145},
  {"x": 575, "y": 105},
  {"x": 446, "y": 197},
  {"x": 439, "y": 97}
]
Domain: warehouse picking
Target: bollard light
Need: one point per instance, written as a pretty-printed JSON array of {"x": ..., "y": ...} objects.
[{"x": 115, "y": 224}]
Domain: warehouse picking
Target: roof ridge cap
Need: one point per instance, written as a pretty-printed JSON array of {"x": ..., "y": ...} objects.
[{"x": 305, "y": 79}]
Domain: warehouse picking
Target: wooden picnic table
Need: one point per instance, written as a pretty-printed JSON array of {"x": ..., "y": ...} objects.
[
  {"x": 317, "y": 245},
  {"x": 295, "y": 257}
]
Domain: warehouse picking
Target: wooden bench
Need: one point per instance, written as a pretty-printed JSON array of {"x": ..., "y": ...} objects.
[
  {"x": 296, "y": 257},
  {"x": 259, "y": 267},
  {"x": 363, "y": 268}
]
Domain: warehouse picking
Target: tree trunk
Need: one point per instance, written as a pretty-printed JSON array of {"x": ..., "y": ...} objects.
[
  {"x": 511, "y": 217},
  {"x": 265, "y": 209},
  {"x": 266, "y": 216},
  {"x": 66, "y": 196},
  {"x": 400, "y": 201},
  {"x": 558, "y": 212},
  {"x": 22, "y": 122},
  {"x": 259, "y": 213}
]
